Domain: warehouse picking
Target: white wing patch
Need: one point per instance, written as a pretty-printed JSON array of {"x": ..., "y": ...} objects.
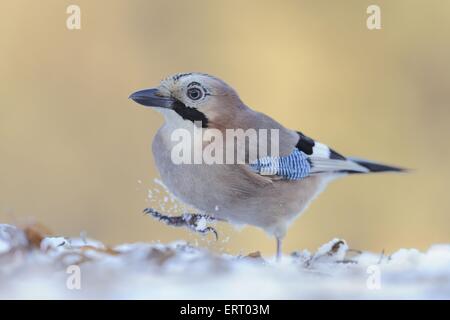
[
  {"x": 320, "y": 150},
  {"x": 324, "y": 159}
]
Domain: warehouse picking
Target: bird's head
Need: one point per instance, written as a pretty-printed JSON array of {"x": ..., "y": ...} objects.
[{"x": 194, "y": 97}]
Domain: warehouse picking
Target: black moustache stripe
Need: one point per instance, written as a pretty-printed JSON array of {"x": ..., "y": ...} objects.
[{"x": 188, "y": 113}]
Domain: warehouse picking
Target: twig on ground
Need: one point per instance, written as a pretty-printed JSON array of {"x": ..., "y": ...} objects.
[{"x": 381, "y": 257}]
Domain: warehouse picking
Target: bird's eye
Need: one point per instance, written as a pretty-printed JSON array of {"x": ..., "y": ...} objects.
[{"x": 194, "y": 93}]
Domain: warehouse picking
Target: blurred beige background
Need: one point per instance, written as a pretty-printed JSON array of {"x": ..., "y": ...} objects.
[{"x": 73, "y": 148}]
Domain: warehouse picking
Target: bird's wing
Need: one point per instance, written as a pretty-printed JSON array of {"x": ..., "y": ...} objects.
[
  {"x": 323, "y": 159},
  {"x": 308, "y": 157}
]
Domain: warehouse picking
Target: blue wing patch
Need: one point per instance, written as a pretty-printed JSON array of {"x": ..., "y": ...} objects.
[{"x": 292, "y": 167}]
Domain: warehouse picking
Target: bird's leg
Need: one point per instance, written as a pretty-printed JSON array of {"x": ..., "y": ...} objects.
[
  {"x": 279, "y": 252},
  {"x": 192, "y": 221}
]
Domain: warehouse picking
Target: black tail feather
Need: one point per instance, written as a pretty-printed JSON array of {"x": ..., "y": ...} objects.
[{"x": 377, "y": 167}]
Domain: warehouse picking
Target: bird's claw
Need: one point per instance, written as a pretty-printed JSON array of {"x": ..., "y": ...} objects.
[{"x": 189, "y": 220}]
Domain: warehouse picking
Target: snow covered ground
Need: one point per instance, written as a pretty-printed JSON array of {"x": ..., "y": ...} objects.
[{"x": 33, "y": 266}]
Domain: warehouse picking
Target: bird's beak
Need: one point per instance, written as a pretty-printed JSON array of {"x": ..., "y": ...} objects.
[{"x": 152, "y": 98}]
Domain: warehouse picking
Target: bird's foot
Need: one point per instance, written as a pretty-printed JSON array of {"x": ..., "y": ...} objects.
[{"x": 194, "y": 221}]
